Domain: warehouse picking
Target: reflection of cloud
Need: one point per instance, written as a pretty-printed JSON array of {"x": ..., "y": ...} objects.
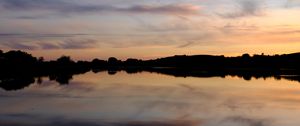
[
  {"x": 241, "y": 121},
  {"x": 162, "y": 123},
  {"x": 38, "y": 120},
  {"x": 41, "y": 95},
  {"x": 235, "y": 105},
  {"x": 189, "y": 87},
  {"x": 78, "y": 86}
]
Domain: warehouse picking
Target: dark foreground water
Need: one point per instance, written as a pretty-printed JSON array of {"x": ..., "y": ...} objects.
[{"x": 150, "y": 99}]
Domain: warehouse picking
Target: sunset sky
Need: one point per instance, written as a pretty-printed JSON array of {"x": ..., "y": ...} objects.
[{"x": 86, "y": 29}]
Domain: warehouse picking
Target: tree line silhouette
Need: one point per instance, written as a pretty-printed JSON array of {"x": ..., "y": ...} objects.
[
  {"x": 19, "y": 69},
  {"x": 19, "y": 61}
]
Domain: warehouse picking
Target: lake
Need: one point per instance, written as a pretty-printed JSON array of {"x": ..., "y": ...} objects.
[{"x": 152, "y": 99}]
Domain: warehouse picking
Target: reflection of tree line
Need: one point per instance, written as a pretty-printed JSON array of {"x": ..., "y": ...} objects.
[
  {"x": 19, "y": 69},
  {"x": 245, "y": 74},
  {"x": 20, "y": 82},
  {"x": 16, "y": 83}
]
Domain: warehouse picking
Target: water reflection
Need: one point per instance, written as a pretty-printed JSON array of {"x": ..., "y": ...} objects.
[
  {"x": 20, "y": 82},
  {"x": 151, "y": 99},
  {"x": 17, "y": 83}
]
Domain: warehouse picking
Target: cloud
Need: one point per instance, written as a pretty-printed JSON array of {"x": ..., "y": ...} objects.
[
  {"x": 63, "y": 7},
  {"x": 18, "y": 45},
  {"x": 167, "y": 9},
  {"x": 170, "y": 25},
  {"x": 180, "y": 38},
  {"x": 187, "y": 44},
  {"x": 238, "y": 28},
  {"x": 64, "y": 44},
  {"x": 28, "y": 35},
  {"x": 245, "y": 8},
  {"x": 285, "y": 32},
  {"x": 292, "y": 3},
  {"x": 77, "y": 44}
]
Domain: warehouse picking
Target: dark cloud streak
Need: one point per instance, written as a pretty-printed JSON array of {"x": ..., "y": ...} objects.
[
  {"x": 18, "y": 45},
  {"x": 65, "y": 44},
  {"x": 63, "y": 7},
  {"x": 32, "y": 35}
]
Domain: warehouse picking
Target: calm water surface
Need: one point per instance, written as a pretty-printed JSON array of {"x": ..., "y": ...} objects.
[{"x": 150, "y": 99}]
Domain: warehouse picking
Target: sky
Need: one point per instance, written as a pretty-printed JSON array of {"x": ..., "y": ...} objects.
[{"x": 147, "y": 29}]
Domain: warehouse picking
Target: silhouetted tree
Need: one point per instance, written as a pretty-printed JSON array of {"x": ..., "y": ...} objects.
[
  {"x": 41, "y": 59},
  {"x": 97, "y": 63},
  {"x": 65, "y": 62},
  {"x": 64, "y": 59},
  {"x": 20, "y": 57},
  {"x": 246, "y": 56},
  {"x": 112, "y": 61},
  {"x": 133, "y": 62},
  {"x": 17, "y": 61}
]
